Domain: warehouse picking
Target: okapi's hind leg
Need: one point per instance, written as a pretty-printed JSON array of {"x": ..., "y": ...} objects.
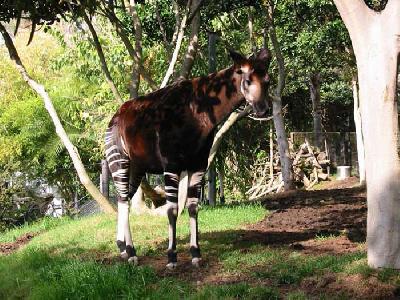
[
  {"x": 194, "y": 191},
  {"x": 119, "y": 165},
  {"x": 171, "y": 190}
]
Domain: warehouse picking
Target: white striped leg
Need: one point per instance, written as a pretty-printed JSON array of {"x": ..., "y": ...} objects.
[
  {"x": 192, "y": 205},
  {"x": 118, "y": 163},
  {"x": 171, "y": 191},
  {"x": 124, "y": 233}
]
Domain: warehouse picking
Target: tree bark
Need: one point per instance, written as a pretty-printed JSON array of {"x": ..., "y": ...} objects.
[
  {"x": 359, "y": 134},
  {"x": 40, "y": 90},
  {"x": 193, "y": 42},
  {"x": 283, "y": 145},
  {"x": 103, "y": 62},
  {"x": 376, "y": 43},
  {"x": 315, "y": 82}
]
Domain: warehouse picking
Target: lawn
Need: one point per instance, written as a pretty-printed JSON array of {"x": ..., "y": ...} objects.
[{"x": 77, "y": 259}]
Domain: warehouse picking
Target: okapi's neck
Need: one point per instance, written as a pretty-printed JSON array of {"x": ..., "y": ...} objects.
[{"x": 219, "y": 93}]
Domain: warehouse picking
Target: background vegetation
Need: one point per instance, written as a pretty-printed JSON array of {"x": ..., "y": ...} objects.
[{"x": 62, "y": 57}]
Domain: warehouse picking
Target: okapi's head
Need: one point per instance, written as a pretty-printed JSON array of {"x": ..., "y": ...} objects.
[{"x": 254, "y": 79}]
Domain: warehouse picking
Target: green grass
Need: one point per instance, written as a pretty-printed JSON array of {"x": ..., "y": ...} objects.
[
  {"x": 35, "y": 227},
  {"x": 76, "y": 259}
]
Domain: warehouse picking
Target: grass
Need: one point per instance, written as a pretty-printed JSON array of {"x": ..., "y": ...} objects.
[{"x": 65, "y": 261}]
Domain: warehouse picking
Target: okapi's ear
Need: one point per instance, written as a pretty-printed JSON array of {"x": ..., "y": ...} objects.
[
  {"x": 265, "y": 56},
  {"x": 237, "y": 58}
]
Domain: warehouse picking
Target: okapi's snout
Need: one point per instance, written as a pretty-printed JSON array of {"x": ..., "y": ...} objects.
[{"x": 254, "y": 79}]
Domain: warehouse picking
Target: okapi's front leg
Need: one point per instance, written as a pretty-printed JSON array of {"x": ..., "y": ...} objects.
[
  {"x": 194, "y": 191},
  {"x": 171, "y": 190}
]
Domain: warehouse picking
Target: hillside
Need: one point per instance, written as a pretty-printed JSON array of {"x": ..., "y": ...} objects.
[{"x": 248, "y": 252}]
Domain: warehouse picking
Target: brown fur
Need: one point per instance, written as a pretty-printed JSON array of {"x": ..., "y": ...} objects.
[{"x": 172, "y": 128}]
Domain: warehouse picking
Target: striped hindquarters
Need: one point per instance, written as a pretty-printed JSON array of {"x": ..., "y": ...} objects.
[{"x": 118, "y": 162}]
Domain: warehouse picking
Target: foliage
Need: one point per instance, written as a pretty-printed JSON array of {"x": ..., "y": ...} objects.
[{"x": 312, "y": 37}]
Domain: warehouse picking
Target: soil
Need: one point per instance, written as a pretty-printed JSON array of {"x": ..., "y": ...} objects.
[
  {"x": 330, "y": 220},
  {"x": 8, "y": 248}
]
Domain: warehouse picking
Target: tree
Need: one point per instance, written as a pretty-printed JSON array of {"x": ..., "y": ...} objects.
[
  {"x": 47, "y": 13},
  {"x": 283, "y": 145},
  {"x": 376, "y": 43}
]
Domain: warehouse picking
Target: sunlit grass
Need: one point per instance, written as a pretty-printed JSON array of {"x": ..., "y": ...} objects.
[{"x": 66, "y": 260}]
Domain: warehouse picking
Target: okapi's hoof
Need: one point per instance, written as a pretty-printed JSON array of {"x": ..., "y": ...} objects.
[
  {"x": 124, "y": 255},
  {"x": 171, "y": 266},
  {"x": 196, "y": 261},
  {"x": 133, "y": 260}
]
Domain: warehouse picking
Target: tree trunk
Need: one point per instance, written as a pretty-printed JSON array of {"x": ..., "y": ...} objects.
[
  {"x": 359, "y": 134},
  {"x": 250, "y": 22},
  {"x": 137, "y": 26},
  {"x": 283, "y": 145},
  {"x": 40, "y": 90},
  {"x": 315, "y": 81},
  {"x": 193, "y": 43},
  {"x": 376, "y": 43}
]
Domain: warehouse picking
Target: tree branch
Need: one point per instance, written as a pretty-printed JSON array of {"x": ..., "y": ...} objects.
[
  {"x": 138, "y": 45},
  {"x": 278, "y": 53},
  {"x": 193, "y": 44},
  {"x": 131, "y": 50},
  {"x": 162, "y": 28},
  {"x": 234, "y": 116},
  {"x": 194, "y": 11},
  {"x": 102, "y": 58},
  {"x": 174, "y": 58},
  {"x": 73, "y": 152}
]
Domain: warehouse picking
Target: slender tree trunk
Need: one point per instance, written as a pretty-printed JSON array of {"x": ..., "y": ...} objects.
[
  {"x": 376, "y": 43},
  {"x": 193, "y": 43},
  {"x": 212, "y": 66},
  {"x": 135, "y": 78},
  {"x": 253, "y": 45},
  {"x": 359, "y": 134},
  {"x": 315, "y": 82},
  {"x": 221, "y": 178},
  {"x": 103, "y": 62},
  {"x": 283, "y": 145},
  {"x": 73, "y": 152}
]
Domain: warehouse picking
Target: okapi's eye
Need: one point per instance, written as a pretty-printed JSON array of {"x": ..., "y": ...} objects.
[{"x": 239, "y": 72}]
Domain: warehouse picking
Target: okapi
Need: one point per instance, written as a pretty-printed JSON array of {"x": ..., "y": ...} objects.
[{"x": 171, "y": 130}]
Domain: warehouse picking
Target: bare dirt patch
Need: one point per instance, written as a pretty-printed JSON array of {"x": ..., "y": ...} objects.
[
  {"x": 8, "y": 248},
  {"x": 303, "y": 219}
]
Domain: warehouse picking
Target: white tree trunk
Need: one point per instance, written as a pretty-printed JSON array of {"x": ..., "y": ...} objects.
[
  {"x": 359, "y": 134},
  {"x": 375, "y": 38}
]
